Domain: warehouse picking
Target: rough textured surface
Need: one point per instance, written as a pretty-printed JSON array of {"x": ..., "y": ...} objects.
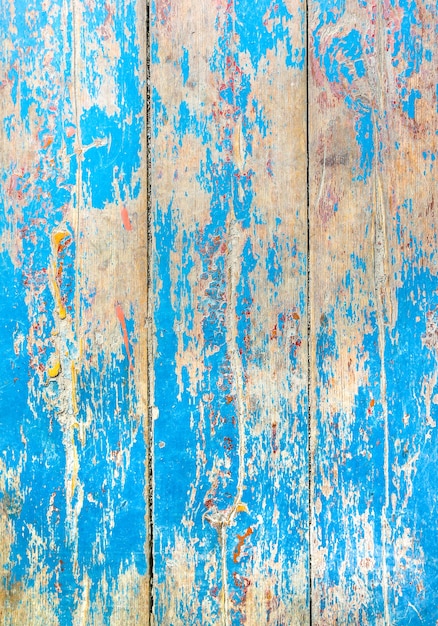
[
  {"x": 373, "y": 266},
  {"x": 292, "y": 294},
  {"x": 229, "y": 283},
  {"x": 73, "y": 531}
]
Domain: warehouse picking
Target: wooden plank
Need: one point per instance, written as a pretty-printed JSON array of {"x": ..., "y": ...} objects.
[
  {"x": 373, "y": 121},
  {"x": 228, "y": 179},
  {"x": 73, "y": 487},
  {"x": 229, "y": 293}
]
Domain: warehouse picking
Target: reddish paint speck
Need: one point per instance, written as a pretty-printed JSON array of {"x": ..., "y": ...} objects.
[
  {"x": 274, "y": 444},
  {"x": 122, "y": 320},
  {"x": 125, "y": 218},
  {"x": 241, "y": 541}
]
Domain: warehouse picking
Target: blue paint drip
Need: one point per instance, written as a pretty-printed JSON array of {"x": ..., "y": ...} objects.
[
  {"x": 409, "y": 103},
  {"x": 188, "y": 123},
  {"x": 365, "y": 138},
  {"x": 273, "y": 265},
  {"x": 185, "y": 67},
  {"x": 326, "y": 347},
  {"x": 158, "y": 110},
  {"x": 172, "y": 427},
  {"x": 244, "y": 303},
  {"x": 407, "y": 43}
]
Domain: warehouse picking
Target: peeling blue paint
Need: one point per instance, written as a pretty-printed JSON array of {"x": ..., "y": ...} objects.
[
  {"x": 92, "y": 524},
  {"x": 409, "y": 103}
]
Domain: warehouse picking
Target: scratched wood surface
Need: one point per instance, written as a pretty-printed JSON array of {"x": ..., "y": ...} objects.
[
  {"x": 229, "y": 298},
  {"x": 73, "y": 535},
  {"x": 289, "y": 463},
  {"x": 372, "y": 147}
]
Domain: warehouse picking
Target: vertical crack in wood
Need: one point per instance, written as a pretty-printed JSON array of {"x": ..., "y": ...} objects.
[
  {"x": 79, "y": 153},
  {"x": 224, "y": 600},
  {"x": 68, "y": 324},
  {"x": 149, "y": 330},
  {"x": 381, "y": 274},
  {"x": 235, "y": 251},
  {"x": 379, "y": 258},
  {"x": 223, "y": 519}
]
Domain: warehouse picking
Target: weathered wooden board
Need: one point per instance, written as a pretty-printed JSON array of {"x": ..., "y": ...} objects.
[
  {"x": 73, "y": 425},
  {"x": 293, "y": 295},
  {"x": 374, "y": 297},
  {"x": 229, "y": 214}
]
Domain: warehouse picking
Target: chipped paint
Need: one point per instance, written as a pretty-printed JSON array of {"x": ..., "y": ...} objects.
[
  {"x": 229, "y": 266},
  {"x": 372, "y": 373},
  {"x": 74, "y": 385},
  {"x": 283, "y": 337}
]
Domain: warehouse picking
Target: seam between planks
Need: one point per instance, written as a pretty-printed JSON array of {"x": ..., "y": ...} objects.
[
  {"x": 309, "y": 318},
  {"x": 149, "y": 327}
]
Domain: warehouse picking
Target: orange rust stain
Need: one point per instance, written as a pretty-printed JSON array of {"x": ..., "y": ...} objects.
[
  {"x": 122, "y": 320},
  {"x": 62, "y": 312},
  {"x": 48, "y": 140},
  {"x": 60, "y": 240},
  {"x": 241, "y": 541},
  {"x": 296, "y": 315},
  {"x": 125, "y": 218},
  {"x": 242, "y": 508},
  {"x": 371, "y": 406}
]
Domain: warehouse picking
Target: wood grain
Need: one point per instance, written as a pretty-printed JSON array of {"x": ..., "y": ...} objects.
[
  {"x": 73, "y": 485},
  {"x": 272, "y": 304},
  {"x": 372, "y": 149},
  {"x": 229, "y": 293}
]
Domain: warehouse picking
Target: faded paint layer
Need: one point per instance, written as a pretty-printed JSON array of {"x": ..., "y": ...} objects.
[
  {"x": 229, "y": 296},
  {"x": 282, "y": 262},
  {"x": 73, "y": 531},
  {"x": 373, "y": 146}
]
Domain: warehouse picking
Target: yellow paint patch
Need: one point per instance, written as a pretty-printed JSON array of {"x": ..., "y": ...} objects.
[
  {"x": 59, "y": 303},
  {"x": 74, "y": 476},
  {"x": 74, "y": 380},
  {"x": 242, "y": 508},
  {"x": 58, "y": 237},
  {"x": 54, "y": 370}
]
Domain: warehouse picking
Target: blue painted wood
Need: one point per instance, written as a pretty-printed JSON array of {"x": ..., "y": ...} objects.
[
  {"x": 229, "y": 298},
  {"x": 73, "y": 444},
  {"x": 293, "y": 303},
  {"x": 373, "y": 297}
]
